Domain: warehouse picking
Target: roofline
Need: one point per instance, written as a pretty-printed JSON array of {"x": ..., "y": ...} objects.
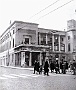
[
  {"x": 52, "y": 30},
  {"x": 71, "y": 20},
  {"x": 18, "y": 22},
  {"x": 71, "y": 30},
  {"x": 7, "y": 28}
]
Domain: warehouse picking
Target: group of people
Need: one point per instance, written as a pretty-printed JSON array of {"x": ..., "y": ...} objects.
[
  {"x": 73, "y": 67},
  {"x": 38, "y": 68},
  {"x": 59, "y": 68},
  {"x": 53, "y": 66}
]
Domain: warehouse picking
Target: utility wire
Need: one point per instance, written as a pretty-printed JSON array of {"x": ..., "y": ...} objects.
[
  {"x": 47, "y": 14},
  {"x": 44, "y": 9},
  {"x": 55, "y": 9},
  {"x": 51, "y": 11}
]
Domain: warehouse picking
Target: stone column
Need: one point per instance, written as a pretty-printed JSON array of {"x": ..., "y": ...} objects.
[
  {"x": 22, "y": 58},
  {"x": 30, "y": 59},
  {"x": 36, "y": 37},
  {"x": 14, "y": 60},
  {"x": 39, "y": 37},
  {"x": 46, "y": 38},
  {"x": 53, "y": 42},
  {"x": 40, "y": 59},
  {"x": 59, "y": 61},
  {"x": 59, "y": 42}
]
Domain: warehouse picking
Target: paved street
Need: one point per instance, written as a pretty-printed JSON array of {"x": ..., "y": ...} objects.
[{"x": 21, "y": 79}]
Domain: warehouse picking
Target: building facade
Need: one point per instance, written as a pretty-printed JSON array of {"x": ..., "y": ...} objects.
[
  {"x": 71, "y": 39},
  {"x": 23, "y": 43}
]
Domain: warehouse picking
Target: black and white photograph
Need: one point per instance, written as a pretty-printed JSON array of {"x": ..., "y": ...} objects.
[{"x": 37, "y": 44}]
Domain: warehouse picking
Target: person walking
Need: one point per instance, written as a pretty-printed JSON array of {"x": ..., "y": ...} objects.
[
  {"x": 61, "y": 66},
  {"x": 64, "y": 67},
  {"x": 57, "y": 67},
  {"x": 37, "y": 67},
  {"x": 40, "y": 69},
  {"x": 35, "y": 64},
  {"x": 46, "y": 69},
  {"x": 74, "y": 67},
  {"x": 52, "y": 67}
]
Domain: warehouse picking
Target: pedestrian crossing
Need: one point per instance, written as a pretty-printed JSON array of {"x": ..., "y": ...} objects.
[
  {"x": 29, "y": 76},
  {"x": 14, "y": 76}
]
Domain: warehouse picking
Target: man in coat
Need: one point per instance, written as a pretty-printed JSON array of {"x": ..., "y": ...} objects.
[
  {"x": 74, "y": 67},
  {"x": 52, "y": 66},
  {"x": 46, "y": 69},
  {"x": 35, "y": 64}
]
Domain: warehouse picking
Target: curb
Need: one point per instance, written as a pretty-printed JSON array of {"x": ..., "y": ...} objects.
[{"x": 21, "y": 68}]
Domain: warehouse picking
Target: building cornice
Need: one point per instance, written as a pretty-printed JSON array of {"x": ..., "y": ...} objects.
[{"x": 17, "y": 22}]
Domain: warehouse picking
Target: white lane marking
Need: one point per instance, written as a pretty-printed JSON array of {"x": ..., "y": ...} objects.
[
  {"x": 3, "y": 77},
  {"x": 25, "y": 75},
  {"x": 8, "y": 76},
  {"x": 30, "y": 75},
  {"x": 15, "y": 75}
]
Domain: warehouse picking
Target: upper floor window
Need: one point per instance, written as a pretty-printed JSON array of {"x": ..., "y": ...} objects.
[
  {"x": 13, "y": 31},
  {"x": 10, "y": 44},
  {"x": 44, "y": 38},
  {"x": 26, "y": 40},
  {"x": 10, "y": 33},
  {"x": 13, "y": 42},
  {"x": 68, "y": 37},
  {"x": 62, "y": 39}
]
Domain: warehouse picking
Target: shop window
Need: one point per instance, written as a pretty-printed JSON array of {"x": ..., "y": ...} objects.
[{"x": 69, "y": 47}]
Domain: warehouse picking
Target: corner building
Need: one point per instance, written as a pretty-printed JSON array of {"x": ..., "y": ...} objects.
[{"x": 24, "y": 42}]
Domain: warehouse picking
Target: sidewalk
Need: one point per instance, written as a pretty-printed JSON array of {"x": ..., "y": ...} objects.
[
  {"x": 28, "y": 68},
  {"x": 31, "y": 68}
]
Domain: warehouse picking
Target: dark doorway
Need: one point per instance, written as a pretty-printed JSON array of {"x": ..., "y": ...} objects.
[{"x": 34, "y": 57}]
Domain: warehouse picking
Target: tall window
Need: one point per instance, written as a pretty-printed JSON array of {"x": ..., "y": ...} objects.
[
  {"x": 62, "y": 39},
  {"x": 68, "y": 37},
  {"x": 44, "y": 38},
  {"x": 13, "y": 42},
  {"x": 26, "y": 40},
  {"x": 13, "y": 32},
  {"x": 69, "y": 47},
  {"x": 10, "y": 44}
]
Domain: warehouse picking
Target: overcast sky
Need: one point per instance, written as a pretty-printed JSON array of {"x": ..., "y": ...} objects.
[{"x": 23, "y": 10}]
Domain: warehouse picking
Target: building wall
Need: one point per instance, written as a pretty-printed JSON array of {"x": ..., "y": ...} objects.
[
  {"x": 19, "y": 30},
  {"x": 71, "y": 27},
  {"x": 74, "y": 41},
  {"x": 71, "y": 24},
  {"x": 69, "y": 35}
]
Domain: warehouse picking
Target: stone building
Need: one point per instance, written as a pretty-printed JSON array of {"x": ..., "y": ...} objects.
[
  {"x": 24, "y": 42},
  {"x": 71, "y": 40}
]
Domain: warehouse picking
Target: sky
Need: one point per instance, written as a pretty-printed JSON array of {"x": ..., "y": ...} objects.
[{"x": 26, "y": 10}]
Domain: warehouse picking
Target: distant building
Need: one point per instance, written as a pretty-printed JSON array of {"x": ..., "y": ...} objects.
[
  {"x": 71, "y": 39},
  {"x": 24, "y": 42}
]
